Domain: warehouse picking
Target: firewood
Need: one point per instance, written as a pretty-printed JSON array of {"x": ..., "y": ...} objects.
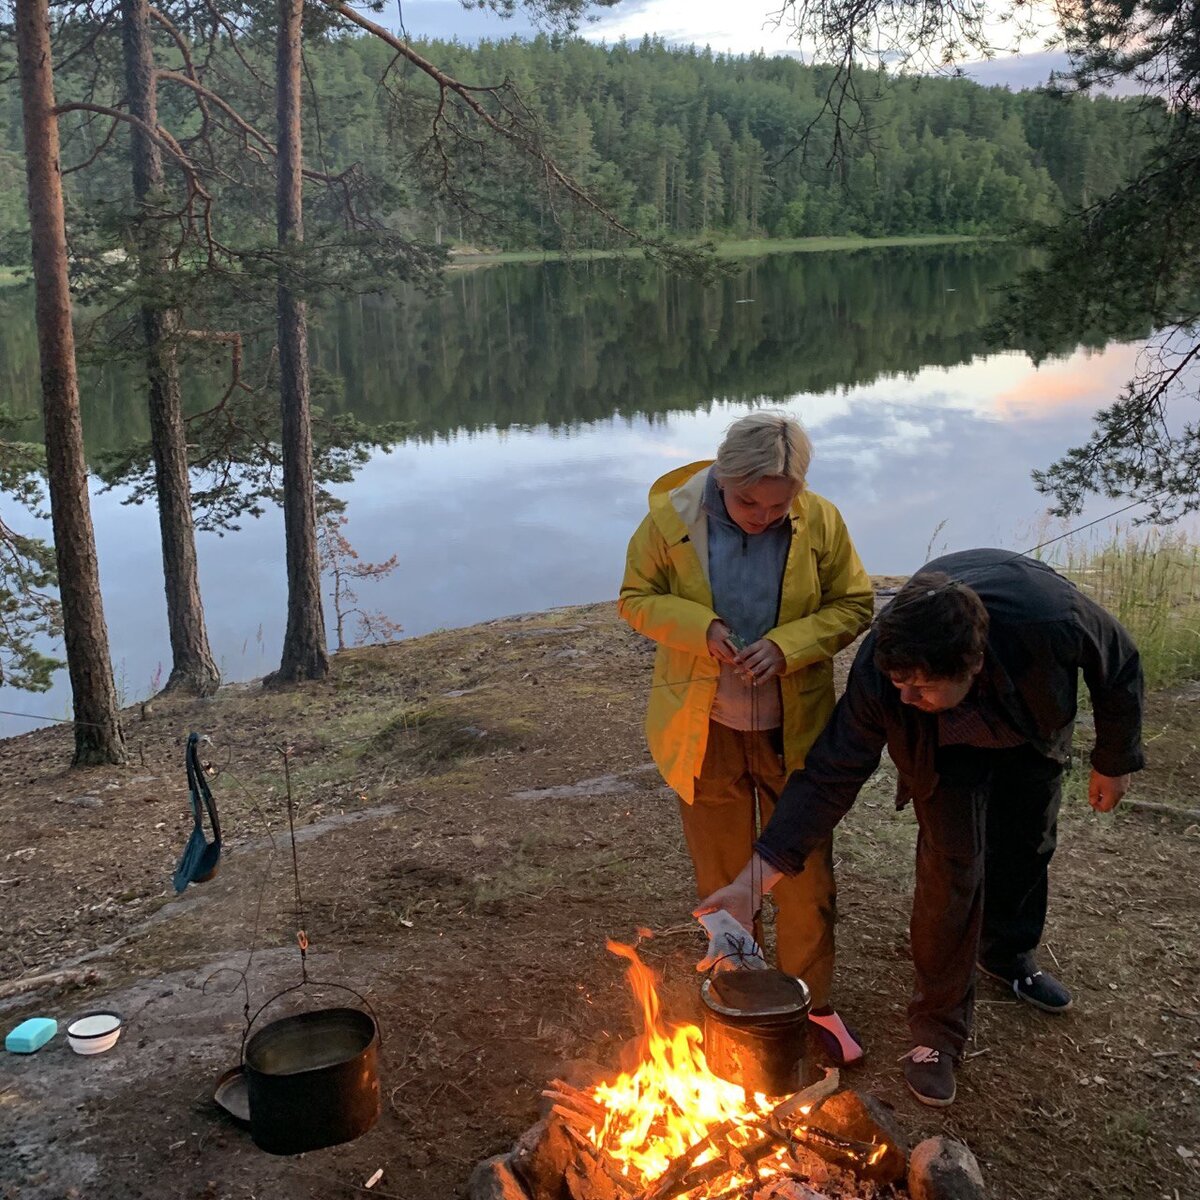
[
  {"x": 842, "y": 1149},
  {"x": 562, "y": 1093},
  {"x": 769, "y": 1140},
  {"x": 602, "y": 1157},
  {"x": 575, "y": 1120},
  {"x": 811, "y": 1095},
  {"x": 663, "y": 1186},
  {"x": 80, "y": 975}
]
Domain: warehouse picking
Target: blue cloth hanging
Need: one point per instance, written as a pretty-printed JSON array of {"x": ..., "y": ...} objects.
[{"x": 200, "y": 856}]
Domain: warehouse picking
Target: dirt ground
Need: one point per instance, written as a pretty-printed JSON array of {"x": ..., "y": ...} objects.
[{"x": 477, "y": 815}]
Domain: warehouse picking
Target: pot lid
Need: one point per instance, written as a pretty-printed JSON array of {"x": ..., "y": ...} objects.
[
  {"x": 750, "y": 993},
  {"x": 231, "y": 1095}
]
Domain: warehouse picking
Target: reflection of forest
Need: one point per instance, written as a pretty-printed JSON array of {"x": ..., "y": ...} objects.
[{"x": 558, "y": 345}]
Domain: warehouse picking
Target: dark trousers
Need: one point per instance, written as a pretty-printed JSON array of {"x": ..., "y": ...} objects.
[
  {"x": 719, "y": 827},
  {"x": 985, "y": 840}
]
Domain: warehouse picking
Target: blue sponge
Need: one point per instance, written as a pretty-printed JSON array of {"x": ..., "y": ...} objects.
[{"x": 31, "y": 1035}]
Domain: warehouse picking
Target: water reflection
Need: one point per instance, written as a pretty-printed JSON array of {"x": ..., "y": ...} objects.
[{"x": 543, "y": 403}]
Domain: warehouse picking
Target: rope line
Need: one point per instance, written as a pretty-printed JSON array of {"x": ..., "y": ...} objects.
[{"x": 301, "y": 935}]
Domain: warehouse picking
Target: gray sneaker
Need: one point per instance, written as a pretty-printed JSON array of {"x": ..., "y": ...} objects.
[
  {"x": 1035, "y": 987},
  {"x": 929, "y": 1074}
]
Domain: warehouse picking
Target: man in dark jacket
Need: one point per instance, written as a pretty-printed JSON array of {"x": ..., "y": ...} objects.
[{"x": 969, "y": 678}]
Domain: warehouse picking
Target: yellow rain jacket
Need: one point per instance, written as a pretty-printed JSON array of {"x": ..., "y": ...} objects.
[{"x": 826, "y": 602}]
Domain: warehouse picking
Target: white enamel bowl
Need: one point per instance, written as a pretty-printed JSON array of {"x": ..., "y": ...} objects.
[{"x": 94, "y": 1032}]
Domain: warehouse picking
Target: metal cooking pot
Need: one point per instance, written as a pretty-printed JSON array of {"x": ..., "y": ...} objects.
[
  {"x": 312, "y": 1080},
  {"x": 756, "y": 1030}
]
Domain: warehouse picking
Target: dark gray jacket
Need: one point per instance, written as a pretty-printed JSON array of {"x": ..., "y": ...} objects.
[{"x": 1042, "y": 632}]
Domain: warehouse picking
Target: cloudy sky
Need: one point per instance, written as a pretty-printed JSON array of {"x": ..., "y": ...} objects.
[{"x": 741, "y": 28}]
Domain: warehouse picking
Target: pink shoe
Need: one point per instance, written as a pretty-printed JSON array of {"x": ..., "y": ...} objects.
[{"x": 839, "y": 1042}]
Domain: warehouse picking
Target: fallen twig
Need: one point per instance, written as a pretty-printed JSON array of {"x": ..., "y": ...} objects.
[
  {"x": 31, "y": 983},
  {"x": 1166, "y": 810}
]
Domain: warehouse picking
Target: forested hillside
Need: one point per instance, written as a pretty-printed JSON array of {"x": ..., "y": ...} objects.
[{"x": 677, "y": 142}]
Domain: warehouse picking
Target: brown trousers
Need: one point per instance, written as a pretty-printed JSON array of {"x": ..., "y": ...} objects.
[{"x": 719, "y": 829}]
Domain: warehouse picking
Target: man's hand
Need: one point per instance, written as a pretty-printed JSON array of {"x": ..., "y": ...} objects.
[
  {"x": 1105, "y": 791},
  {"x": 720, "y": 643},
  {"x": 736, "y": 898},
  {"x": 762, "y": 660},
  {"x": 742, "y": 897}
]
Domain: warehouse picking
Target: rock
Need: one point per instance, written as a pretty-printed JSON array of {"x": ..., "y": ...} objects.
[
  {"x": 587, "y": 1180},
  {"x": 583, "y": 1073},
  {"x": 600, "y": 785},
  {"x": 541, "y": 1157},
  {"x": 493, "y": 1179},
  {"x": 866, "y": 1118},
  {"x": 942, "y": 1169}
]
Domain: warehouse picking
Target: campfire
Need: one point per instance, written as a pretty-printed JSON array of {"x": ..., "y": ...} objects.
[{"x": 670, "y": 1127}]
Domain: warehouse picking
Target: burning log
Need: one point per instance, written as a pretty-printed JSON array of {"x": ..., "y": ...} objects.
[
  {"x": 666, "y": 1184},
  {"x": 604, "y": 1161},
  {"x": 809, "y": 1098},
  {"x": 864, "y": 1120}
]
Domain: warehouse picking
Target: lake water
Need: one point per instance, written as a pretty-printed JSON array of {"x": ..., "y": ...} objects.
[{"x": 543, "y": 401}]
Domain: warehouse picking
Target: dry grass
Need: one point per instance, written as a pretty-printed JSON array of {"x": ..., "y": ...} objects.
[{"x": 1150, "y": 581}]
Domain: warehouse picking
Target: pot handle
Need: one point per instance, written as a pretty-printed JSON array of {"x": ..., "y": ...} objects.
[{"x": 306, "y": 982}]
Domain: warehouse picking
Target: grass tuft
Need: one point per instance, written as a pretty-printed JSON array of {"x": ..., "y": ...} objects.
[{"x": 1150, "y": 581}]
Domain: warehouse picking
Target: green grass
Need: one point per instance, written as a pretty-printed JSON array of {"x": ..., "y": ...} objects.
[
  {"x": 10, "y": 275},
  {"x": 1150, "y": 581},
  {"x": 743, "y": 249}
]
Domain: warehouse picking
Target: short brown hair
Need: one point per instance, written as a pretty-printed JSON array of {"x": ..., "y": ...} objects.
[{"x": 935, "y": 625}]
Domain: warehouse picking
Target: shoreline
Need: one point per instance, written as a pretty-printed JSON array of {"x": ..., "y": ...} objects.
[{"x": 745, "y": 248}]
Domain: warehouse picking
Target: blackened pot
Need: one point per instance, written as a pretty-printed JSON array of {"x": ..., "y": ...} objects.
[
  {"x": 756, "y": 1030},
  {"x": 312, "y": 1080}
]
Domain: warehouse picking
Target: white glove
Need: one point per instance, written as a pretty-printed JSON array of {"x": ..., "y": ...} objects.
[{"x": 729, "y": 944}]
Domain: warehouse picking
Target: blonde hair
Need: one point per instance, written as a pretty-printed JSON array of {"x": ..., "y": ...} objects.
[{"x": 766, "y": 443}]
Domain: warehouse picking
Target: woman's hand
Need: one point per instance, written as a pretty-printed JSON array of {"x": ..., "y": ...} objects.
[
  {"x": 761, "y": 660},
  {"x": 720, "y": 643}
]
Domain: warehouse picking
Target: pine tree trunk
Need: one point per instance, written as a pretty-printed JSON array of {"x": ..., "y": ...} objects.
[
  {"x": 98, "y": 737},
  {"x": 193, "y": 668},
  {"x": 304, "y": 652}
]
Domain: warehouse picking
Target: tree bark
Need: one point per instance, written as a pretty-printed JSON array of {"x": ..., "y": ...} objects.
[
  {"x": 98, "y": 736},
  {"x": 304, "y": 651},
  {"x": 193, "y": 668}
]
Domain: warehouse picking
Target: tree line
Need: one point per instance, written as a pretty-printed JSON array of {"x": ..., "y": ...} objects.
[{"x": 678, "y": 142}]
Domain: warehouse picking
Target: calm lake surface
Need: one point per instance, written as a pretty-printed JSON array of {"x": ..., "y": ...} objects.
[{"x": 543, "y": 401}]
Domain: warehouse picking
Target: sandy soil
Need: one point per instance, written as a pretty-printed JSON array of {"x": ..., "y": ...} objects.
[{"x": 477, "y": 816}]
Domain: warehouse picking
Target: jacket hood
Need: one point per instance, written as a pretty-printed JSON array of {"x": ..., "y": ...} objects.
[{"x": 677, "y": 500}]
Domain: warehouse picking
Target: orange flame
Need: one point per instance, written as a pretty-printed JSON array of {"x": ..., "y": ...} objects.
[{"x": 671, "y": 1100}]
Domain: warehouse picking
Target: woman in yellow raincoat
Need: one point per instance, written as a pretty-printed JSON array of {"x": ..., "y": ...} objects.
[{"x": 749, "y": 584}]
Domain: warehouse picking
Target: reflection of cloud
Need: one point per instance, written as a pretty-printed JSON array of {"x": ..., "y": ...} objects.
[
  {"x": 492, "y": 523},
  {"x": 1082, "y": 381}
]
